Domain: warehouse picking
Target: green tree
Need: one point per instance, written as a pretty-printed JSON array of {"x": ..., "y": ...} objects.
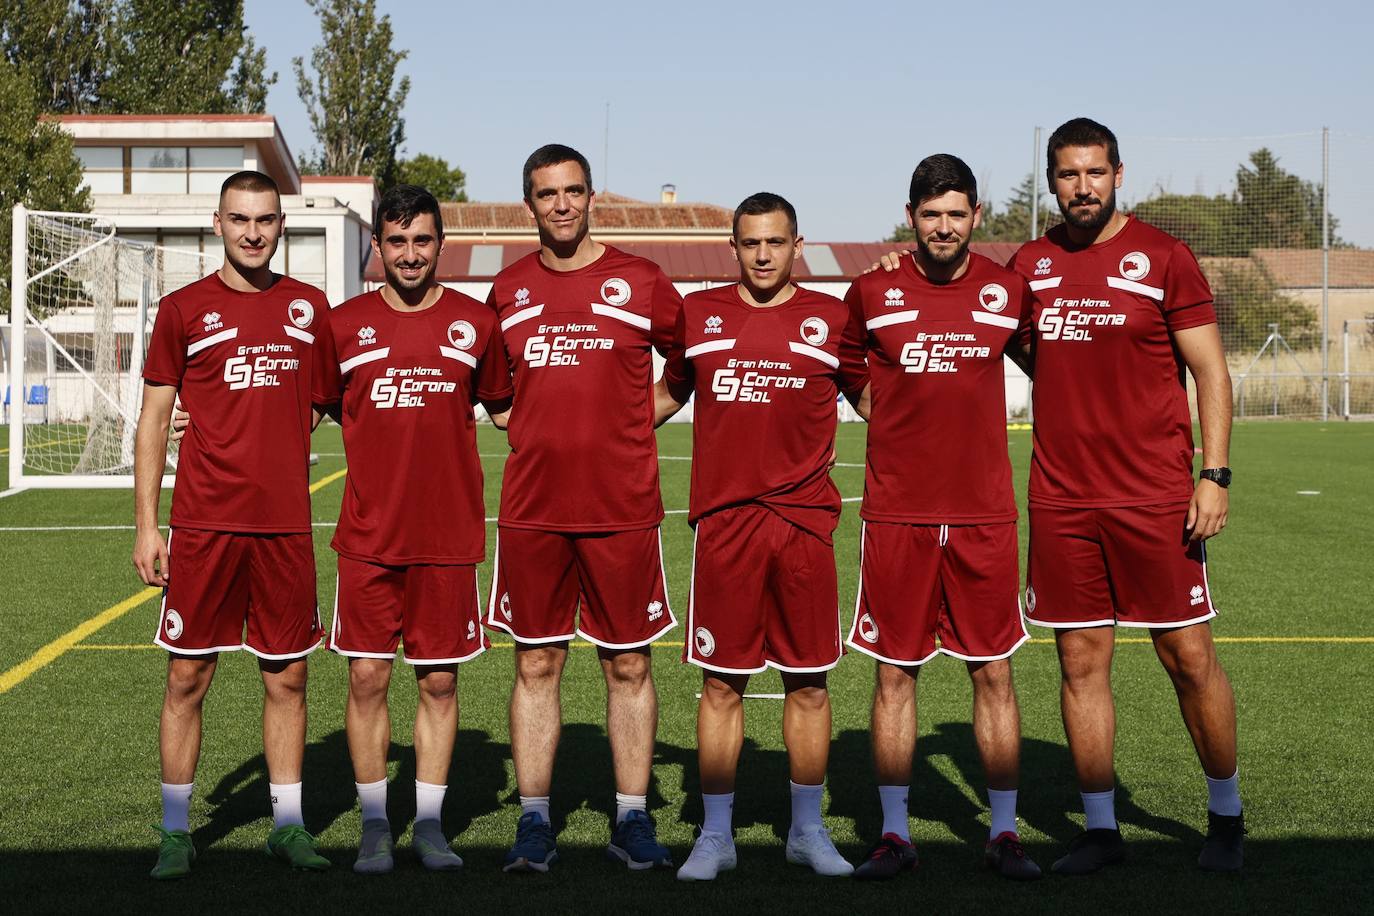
[
  {"x": 63, "y": 45},
  {"x": 1247, "y": 301},
  {"x": 351, "y": 92},
  {"x": 434, "y": 173},
  {"x": 1277, "y": 209},
  {"x": 1013, "y": 222},
  {"x": 1210, "y": 225}
]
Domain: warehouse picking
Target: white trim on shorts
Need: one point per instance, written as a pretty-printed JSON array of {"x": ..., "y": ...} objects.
[
  {"x": 335, "y": 628},
  {"x": 162, "y": 616},
  {"x": 492, "y": 620},
  {"x": 476, "y": 590},
  {"x": 1169, "y": 625},
  {"x": 289, "y": 656},
  {"x": 890, "y": 661},
  {"x": 667, "y": 606}
]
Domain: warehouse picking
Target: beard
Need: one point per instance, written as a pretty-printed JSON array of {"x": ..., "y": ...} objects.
[
  {"x": 399, "y": 281},
  {"x": 942, "y": 257},
  {"x": 1083, "y": 219}
]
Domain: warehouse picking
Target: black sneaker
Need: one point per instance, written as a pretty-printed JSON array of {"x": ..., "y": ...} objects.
[
  {"x": 890, "y": 857},
  {"x": 1005, "y": 855},
  {"x": 1224, "y": 849},
  {"x": 1091, "y": 850}
]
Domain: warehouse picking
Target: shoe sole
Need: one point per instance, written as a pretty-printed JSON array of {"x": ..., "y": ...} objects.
[
  {"x": 1117, "y": 860},
  {"x": 795, "y": 859},
  {"x": 623, "y": 855},
  {"x": 520, "y": 865},
  {"x": 728, "y": 866},
  {"x": 870, "y": 876}
]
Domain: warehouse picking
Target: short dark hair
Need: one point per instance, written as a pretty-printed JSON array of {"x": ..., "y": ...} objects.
[
  {"x": 553, "y": 154},
  {"x": 762, "y": 203},
  {"x": 249, "y": 180},
  {"x": 402, "y": 203},
  {"x": 939, "y": 174},
  {"x": 1080, "y": 132}
]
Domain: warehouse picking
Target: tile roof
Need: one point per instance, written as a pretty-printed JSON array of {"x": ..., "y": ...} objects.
[{"x": 612, "y": 212}]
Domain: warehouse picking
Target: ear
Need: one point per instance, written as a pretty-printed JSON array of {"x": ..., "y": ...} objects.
[
  {"x": 734, "y": 249},
  {"x": 977, "y": 215},
  {"x": 1120, "y": 172},
  {"x": 910, "y": 216},
  {"x": 219, "y": 226},
  {"x": 797, "y": 247},
  {"x": 376, "y": 248},
  {"x": 529, "y": 211}
]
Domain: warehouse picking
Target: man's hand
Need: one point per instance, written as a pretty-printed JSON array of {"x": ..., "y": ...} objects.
[
  {"x": 888, "y": 262},
  {"x": 180, "y": 420},
  {"x": 150, "y": 557},
  {"x": 1207, "y": 511}
]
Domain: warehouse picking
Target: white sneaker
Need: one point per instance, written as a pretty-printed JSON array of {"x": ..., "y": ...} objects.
[
  {"x": 812, "y": 847},
  {"x": 712, "y": 854}
]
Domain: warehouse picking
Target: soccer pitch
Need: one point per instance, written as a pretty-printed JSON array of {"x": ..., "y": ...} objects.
[{"x": 80, "y": 690}]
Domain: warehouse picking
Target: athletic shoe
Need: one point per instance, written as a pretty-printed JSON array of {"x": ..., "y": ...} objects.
[
  {"x": 635, "y": 842},
  {"x": 434, "y": 852},
  {"x": 374, "y": 850},
  {"x": 1224, "y": 849},
  {"x": 1091, "y": 850},
  {"x": 890, "y": 857},
  {"x": 294, "y": 845},
  {"x": 534, "y": 849},
  {"x": 712, "y": 854},
  {"x": 1005, "y": 855},
  {"x": 813, "y": 848},
  {"x": 174, "y": 855}
]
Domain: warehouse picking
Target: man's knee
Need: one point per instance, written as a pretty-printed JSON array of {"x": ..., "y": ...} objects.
[
  {"x": 285, "y": 682},
  {"x": 895, "y": 685},
  {"x": 627, "y": 670},
  {"x": 368, "y": 678},
  {"x": 721, "y": 695},
  {"x": 539, "y": 667},
  {"x": 992, "y": 681},
  {"x": 1085, "y": 656},
  {"x": 808, "y": 698},
  {"x": 188, "y": 679},
  {"x": 438, "y": 687},
  {"x": 1189, "y": 657}
]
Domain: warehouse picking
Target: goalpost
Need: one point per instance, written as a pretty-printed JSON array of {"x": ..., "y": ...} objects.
[{"x": 82, "y": 306}]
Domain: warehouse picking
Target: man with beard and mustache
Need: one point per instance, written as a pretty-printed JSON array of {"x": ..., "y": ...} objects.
[
  {"x": 1117, "y": 525},
  {"x": 938, "y": 559}
]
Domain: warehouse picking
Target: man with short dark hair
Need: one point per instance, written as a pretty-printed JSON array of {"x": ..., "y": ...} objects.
[
  {"x": 939, "y": 549},
  {"x": 239, "y": 346},
  {"x": 762, "y": 357}
]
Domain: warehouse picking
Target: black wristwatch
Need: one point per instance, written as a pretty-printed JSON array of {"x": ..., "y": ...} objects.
[{"x": 1219, "y": 476}]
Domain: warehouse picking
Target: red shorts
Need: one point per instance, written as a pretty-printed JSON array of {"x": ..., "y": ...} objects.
[
  {"x": 954, "y": 583},
  {"x": 763, "y": 595},
  {"x": 435, "y": 610},
  {"x": 1130, "y": 566},
  {"x": 542, "y": 577},
  {"x": 223, "y": 583}
]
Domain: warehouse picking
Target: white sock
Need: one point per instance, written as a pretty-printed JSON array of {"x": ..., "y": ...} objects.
[
  {"x": 1223, "y": 795},
  {"x": 719, "y": 813},
  {"x": 372, "y": 799},
  {"x": 176, "y": 806},
  {"x": 624, "y": 804},
  {"x": 806, "y": 806},
  {"x": 429, "y": 801},
  {"x": 1003, "y": 805},
  {"x": 894, "y": 802},
  {"x": 539, "y": 803},
  {"x": 1099, "y": 809},
  {"x": 286, "y": 804}
]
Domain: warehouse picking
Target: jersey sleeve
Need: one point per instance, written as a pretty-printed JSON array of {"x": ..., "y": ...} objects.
[
  {"x": 165, "y": 363},
  {"x": 665, "y": 306},
  {"x": 326, "y": 381},
  {"x": 493, "y": 372},
  {"x": 1187, "y": 295},
  {"x": 853, "y": 374},
  {"x": 1026, "y": 324},
  {"x": 677, "y": 371}
]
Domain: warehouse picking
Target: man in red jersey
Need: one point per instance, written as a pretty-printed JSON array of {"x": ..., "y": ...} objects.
[
  {"x": 239, "y": 346},
  {"x": 405, "y": 364},
  {"x": 939, "y": 550},
  {"x": 1117, "y": 524},
  {"x": 762, "y": 358},
  {"x": 578, "y": 550}
]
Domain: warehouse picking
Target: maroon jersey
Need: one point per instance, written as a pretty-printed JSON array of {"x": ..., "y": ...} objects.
[
  {"x": 766, "y": 381},
  {"x": 583, "y": 455},
  {"x": 937, "y": 436},
  {"x": 242, "y": 363},
  {"x": 1111, "y": 411},
  {"x": 407, "y": 382}
]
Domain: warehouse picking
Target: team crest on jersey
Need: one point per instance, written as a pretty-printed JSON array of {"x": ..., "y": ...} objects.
[
  {"x": 993, "y": 297},
  {"x": 522, "y": 297},
  {"x": 655, "y": 610},
  {"x": 868, "y": 628},
  {"x": 301, "y": 313},
  {"x": 705, "y": 642},
  {"x": 173, "y": 626},
  {"x": 1030, "y": 600},
  {"x": 462, "y": 334},
  {"x": 615, "y": 291},
  {"x": 1042, "y": 266},
  {"x": 1197, "y": 595},
  {"x": 713, "y": 325},
  {"x": 895, "y": 298},
  {"x": 1135, "y": 266},
  {"x": 815, "y": 331},
  {"x": 367, "y": 335},
  {"x": 505, "y": 606},
  {"x": 212, "y": 322}
]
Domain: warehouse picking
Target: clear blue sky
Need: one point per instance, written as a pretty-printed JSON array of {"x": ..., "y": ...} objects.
[{"x": 833, "y": 104}]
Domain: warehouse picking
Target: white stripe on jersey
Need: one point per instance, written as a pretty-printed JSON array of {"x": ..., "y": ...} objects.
[
  {"x": 1154, "y": 292},
  {"x": 370, "y": 356},
  {"x": 515, "y": 318},
  {"x": 815, "y": 353},
  {"x": 1001, "y": 321},
  {"x": 298, "y": 333},
  {"x": 226, "y": 334},
  {"x": 883, "y": 321},
  {"x": 610, "y": 311},
  {"x": 1047, "y": 283},
  {"x": 711, "y": 346},
  {"x": 459, "y": 355}
]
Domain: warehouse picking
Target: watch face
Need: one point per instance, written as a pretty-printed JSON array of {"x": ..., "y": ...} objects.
[{"x": 1219, "y": 476}]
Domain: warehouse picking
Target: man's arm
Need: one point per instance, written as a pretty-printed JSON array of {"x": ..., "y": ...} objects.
[
  {"x": 150, "y": 459},
  {"x": 665, "y": 405},
  {"x": 498, "y": 412},
  {"x": 862, "y": 402},
  {"x": 1020, "y": 354},
  {"x": 1201, "y": 350}
]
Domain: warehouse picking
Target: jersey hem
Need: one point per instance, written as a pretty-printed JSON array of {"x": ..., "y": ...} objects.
[
  {"x": 159, "y": 379},
  {"x": 581, "y": 529},
  {"x": 1134, "y": 502},
  {"x": 237, "y": 528},
  {"x": 950, "y": 520},
  {"x": 374, "y": 560}
]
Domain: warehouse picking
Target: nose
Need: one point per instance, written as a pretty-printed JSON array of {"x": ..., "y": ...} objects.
[
  {"x": 562, "y": 203},
  {"x": 1084, "y": 186},
  {"x": 943, "y": 226}
]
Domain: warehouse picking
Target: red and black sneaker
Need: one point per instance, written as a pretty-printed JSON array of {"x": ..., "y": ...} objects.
[
  {"x": 1005, "y": 855},
  {"x": 891, "y": 856}
]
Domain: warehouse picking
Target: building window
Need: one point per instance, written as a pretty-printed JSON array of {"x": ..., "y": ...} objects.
[
  {"x": 180, "y": 169},
  {"x": 103, "y": 168}
]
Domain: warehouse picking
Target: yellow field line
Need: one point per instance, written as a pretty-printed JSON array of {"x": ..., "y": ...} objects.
[
  {"x": 69, "y": 640},
  {"x": 50, "y": 444}
]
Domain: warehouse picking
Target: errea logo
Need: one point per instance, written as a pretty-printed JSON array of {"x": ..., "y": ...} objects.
[
  {"x": 522, "y": 298},
  {"x": 472, "y": 630},
  {"x": 1197, "y": 595},
  {"x": 212, "y": 322},
  {"x": 655, "y": 610},
  {"x": 713, "y": 325},
  {"x": 895, "y": 298},
  {"x": 1042, "y": 266},
  {"x": 367, "y": 335}
]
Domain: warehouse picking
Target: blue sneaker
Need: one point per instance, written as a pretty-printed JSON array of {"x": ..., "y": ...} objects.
[
  {"x": 635, "y": 842},
  {"x": 534, "y": 849}
]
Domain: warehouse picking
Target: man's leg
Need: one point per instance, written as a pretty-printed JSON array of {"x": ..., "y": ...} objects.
[
  {"x": 367, "y": 722},
  {"x": 806, "y": 733},
  {"x": 536, "y": 718},
  {"x": 283, "y": 743},
  {"x": 436, "y": 727},
  {"x": 631, "y": 720},
  {"x": 997, "y": 731},
  {"x": 894, "y": 742},
  {"x": 720, "y": 738},
  {"x": 179, "y": 733}
]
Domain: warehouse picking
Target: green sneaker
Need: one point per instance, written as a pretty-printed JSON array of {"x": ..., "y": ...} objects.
[
  {"x": 174, "y": 855},
  {"x": 294, "y": 845}
]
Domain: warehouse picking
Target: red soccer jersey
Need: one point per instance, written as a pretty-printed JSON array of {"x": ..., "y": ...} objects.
[
  {"x": 1111, "y": 411},
  {"x": 583, "y": 455},
  {"x": 937, "y": 437},
  {"x": 243, "y": 364},
  {"x": 766, "y": 381},
  {"x": 407, "y": 382}
]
